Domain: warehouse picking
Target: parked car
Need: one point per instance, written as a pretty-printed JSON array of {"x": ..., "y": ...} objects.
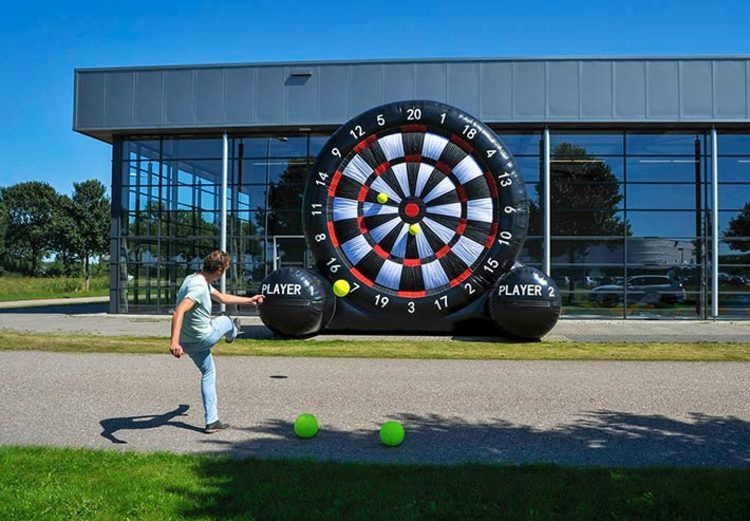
[
  {"x": 643, "y": 289},
  {"x": 734, "y": 280}
]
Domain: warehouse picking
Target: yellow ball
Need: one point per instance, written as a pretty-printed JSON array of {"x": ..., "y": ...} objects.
[
  {"x": 414, "y": 229},
  {"x": 341, "y": 288},
  {"x": 382, "y": 198}
]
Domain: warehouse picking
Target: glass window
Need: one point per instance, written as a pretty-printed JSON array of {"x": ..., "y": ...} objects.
[
  {"x": 667, "y": 223},
  {"x": 136, "y": 149},
  {"x": 734, "y": 196},
  {"x": 190, "y": 148},
  {"x": 316, "y": 144},
  {"x": 288, "y": 146},
  {"x": 293, "y": 171},
  {"x": 586, "y": 168},
  {"x": 251, "y": 147},
  {"x": 663, "y": 169},
  {"x": 522, "y": 143},
  {"x": 661, "y": 251},
  {"x": 588, "y": 251},
  {"x": 734, "y": 144},
  {"x": 734, "y": 224},
  {"x": 658, "y": 196},
  {"x": 285, "y": 196},
  {"x": 734, "y": 169},
  {"x": 530, "y": 168},
  {"x": 670, "y": 143},
  {"x": 578, "y": 144}
]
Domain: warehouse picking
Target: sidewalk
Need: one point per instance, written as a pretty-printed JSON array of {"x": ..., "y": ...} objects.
[{"x": 566, "y": 330}]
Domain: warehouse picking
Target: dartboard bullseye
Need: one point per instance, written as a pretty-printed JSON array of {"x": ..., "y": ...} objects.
[{"x": 419, "y": 206}]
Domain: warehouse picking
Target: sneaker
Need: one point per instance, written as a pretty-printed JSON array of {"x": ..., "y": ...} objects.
[
  {"x": 229, "y": 337},
  {"x": 216, "y": 426}
]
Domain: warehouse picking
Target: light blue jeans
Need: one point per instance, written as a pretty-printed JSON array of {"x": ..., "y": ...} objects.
[{"x": 200, "y": 354}]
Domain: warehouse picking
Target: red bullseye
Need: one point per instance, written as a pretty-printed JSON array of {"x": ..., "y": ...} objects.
[{"x": 411, "y": 210}]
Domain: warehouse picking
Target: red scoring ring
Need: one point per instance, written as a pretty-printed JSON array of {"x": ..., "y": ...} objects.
[{"x": 411, "y": 209}]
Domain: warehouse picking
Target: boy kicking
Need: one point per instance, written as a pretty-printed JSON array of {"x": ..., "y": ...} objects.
[{"x": 194, "y": 332}]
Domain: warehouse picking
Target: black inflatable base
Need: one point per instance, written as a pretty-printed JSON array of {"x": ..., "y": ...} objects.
[
  {"x": 525, "y": 303},
  {"x": 297, "y": 302}
]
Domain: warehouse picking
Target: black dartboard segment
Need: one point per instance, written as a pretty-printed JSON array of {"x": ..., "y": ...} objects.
[{"x": 446, "y": 176}]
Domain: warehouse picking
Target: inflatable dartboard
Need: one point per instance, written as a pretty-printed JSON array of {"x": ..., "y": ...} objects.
[{"x": 419, "y": 207}]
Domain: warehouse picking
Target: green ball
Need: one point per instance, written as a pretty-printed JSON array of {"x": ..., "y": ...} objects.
[
  {"x": 392, "y": 433},
  {"x": 414, "y": 229},
  {"x": 306, "y": 426},
  {"x": 382, "y": 198},
  {"x": 341, "y": 288}
]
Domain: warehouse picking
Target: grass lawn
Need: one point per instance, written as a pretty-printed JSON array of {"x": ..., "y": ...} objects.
[
  {"x": 52, "y": 483},
  {"x": 432, "y": 349},
  {"x": 32, "y": 288}
]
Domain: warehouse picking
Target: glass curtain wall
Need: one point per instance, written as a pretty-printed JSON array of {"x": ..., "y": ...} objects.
[
  {"x": 630, "y": 217},
  {"x": 734, "y": 225},
  {"x": 629, "y": 223},
  {"x": 169, "y": 217}
]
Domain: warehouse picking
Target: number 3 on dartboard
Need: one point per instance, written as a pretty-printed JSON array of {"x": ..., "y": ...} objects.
[{"x": 411, "y": 307}]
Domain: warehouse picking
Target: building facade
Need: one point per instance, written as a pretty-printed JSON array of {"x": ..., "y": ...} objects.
[{"x": 638, "y": 170}]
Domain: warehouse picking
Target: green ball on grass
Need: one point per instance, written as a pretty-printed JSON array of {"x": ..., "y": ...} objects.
[
  {"x": 392, "y": 433},
  {"x": 306, "y": 426}
]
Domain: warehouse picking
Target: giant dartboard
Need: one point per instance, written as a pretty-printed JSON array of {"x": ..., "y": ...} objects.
[{"x": 419, "y": 206}]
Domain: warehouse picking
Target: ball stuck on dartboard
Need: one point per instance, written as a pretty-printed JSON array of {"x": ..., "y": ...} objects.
[
  {"x": 382, "y": 198},
  {"x": 414, "y": 229},
  {"x": 341, "y": 288}
]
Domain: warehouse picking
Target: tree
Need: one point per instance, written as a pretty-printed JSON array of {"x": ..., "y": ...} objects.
[
  {"x": 584, "y": 196},
  {"x": 31, "y": 209},
  {"x": 66, "y": 238},
  {"x": 90, "y": 209},
  {"x": 739, "y": 226},
  {"x": 3, "y": 231}
]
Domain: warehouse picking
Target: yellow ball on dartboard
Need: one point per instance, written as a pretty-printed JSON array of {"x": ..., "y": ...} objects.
[
  {"x": 414, "y": 229},
  {"x": 382, "y": 198},
  {"x": 341, "y": 288}
]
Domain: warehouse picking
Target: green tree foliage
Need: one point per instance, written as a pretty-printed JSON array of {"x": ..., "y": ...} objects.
[
  {"x": 739, "y": 226},
  {"x": 31, "y": 209},
  {"x": 584, "y": 196},
  {"x": 37, "y": 223},
  {"x": 3, "y": 230},
  {"x": 90, "y": 209}
]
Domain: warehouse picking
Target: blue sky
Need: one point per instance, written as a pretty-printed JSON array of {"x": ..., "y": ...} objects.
[{"x": 42, "y": 42}]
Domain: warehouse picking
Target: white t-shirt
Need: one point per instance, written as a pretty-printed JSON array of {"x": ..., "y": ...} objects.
[{"x": 196, "y": 325}]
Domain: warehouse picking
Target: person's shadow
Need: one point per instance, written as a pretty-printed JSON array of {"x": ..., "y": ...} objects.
[{"x": 112, "y": 425}]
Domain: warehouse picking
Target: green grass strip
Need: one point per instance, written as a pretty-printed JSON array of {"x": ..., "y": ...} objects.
[
  {"x": 34, "y": 288},
  {"x": 412, "y": 349},
  {"x": 64, "y": 484}
]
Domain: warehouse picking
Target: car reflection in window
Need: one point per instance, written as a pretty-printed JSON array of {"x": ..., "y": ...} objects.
[{"x": 656, "y": 290}]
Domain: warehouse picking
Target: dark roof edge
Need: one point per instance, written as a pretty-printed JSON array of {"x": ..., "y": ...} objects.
[{"x": 376, "y": 61}]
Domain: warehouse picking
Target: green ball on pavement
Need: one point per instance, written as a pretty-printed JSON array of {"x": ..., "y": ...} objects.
[
  {"x": 392, "y": 433},
  {"x": 341, "y": 288},
  {"x": 414, "y": 229},
  {"x": 382, "y": 198},
  {"x": 306, "y": 426}
]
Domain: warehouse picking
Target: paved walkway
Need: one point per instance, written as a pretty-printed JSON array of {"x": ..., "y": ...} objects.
[
  {"x": 566, "y": 330},
  {"x": 570, "y": 413}
]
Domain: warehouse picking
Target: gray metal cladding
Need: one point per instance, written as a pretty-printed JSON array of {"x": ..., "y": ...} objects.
[{"x": 303, "y": 94}]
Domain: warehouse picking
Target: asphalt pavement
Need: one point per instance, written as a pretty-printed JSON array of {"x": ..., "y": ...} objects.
[{"x": 571, "y": 413}]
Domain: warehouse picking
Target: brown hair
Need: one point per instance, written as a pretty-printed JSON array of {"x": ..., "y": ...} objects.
[{"x": 216, "y": 261}]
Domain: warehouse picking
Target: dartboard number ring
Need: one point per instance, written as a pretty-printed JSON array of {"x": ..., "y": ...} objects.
[{"x": 419, "y": 205}]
